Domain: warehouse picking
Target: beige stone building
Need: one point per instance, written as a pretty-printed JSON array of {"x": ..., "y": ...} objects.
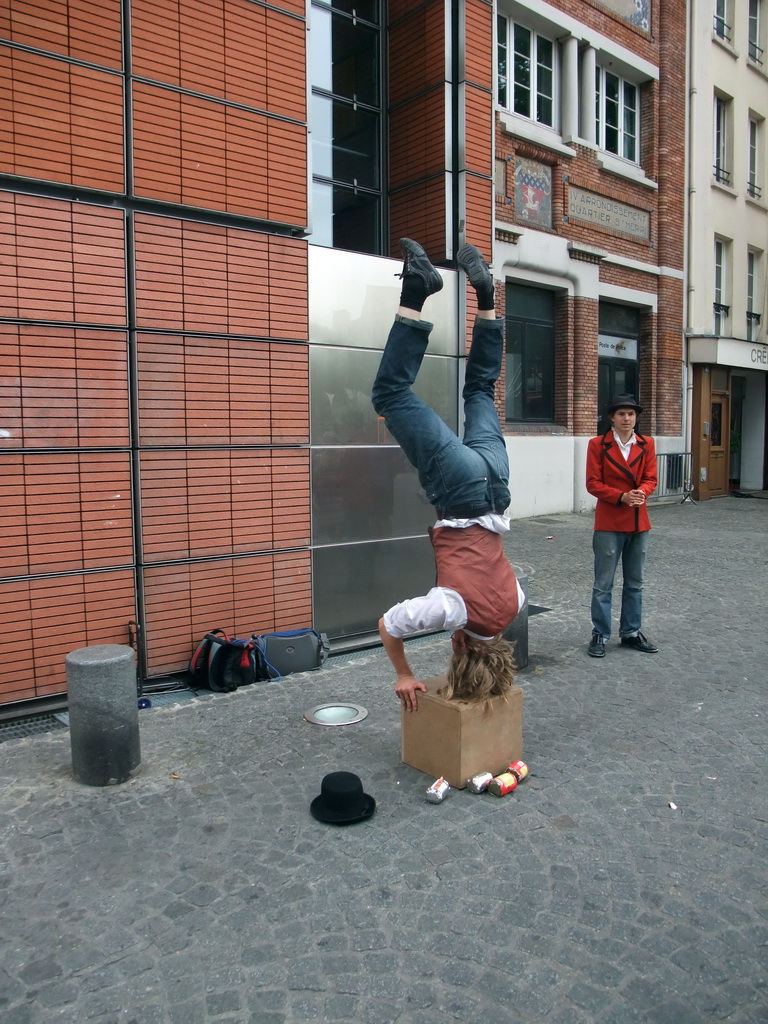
[{"x": 727, "y": 349}]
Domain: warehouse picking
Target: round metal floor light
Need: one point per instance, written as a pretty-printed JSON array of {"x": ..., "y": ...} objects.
[{"x": 338, "y": 713}]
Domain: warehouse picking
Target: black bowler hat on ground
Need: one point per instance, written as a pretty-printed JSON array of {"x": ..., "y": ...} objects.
[
  {"x": 624, "y": 402},
  {"x": 342, "y": 800}
]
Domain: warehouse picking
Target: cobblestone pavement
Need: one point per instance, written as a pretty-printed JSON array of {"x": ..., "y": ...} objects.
[{"x": 203, "y": 891}]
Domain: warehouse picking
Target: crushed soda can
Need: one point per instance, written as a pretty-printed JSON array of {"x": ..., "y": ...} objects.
[
  {"x": 438, "y": 791},
  {"x": 479, "y": 783},
  {"x": 519, "y": 769},
  {"x": 502, "y": 784}
]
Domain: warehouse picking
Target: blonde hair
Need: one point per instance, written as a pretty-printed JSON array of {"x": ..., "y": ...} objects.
[{"x": 480, "y": 670}]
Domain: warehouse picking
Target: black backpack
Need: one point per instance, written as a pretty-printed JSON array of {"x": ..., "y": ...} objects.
[{"x": 222, "y": 663}]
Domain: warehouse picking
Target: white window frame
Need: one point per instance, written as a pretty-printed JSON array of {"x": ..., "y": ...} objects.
[
  {"x": 754, "y": 189},
  {"x": 755, "y": 49},
  {"x": 721, "y": 26},
  {"x": 627, "y": 141},
  {"x": 753, "y": 299},
  {"x": 507, "y": 87},
  {"x": 721, "y": 141},
  {"x": 721, "y": 308}
]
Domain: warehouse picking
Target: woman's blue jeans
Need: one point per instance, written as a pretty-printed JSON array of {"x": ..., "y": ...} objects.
[
  {"x": 468, "y": 477},
  {"x": 609, "y": 547}
]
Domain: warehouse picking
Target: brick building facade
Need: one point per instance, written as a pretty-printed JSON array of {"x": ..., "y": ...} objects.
[
  {"x": 590, "y": 211},
  {"x": 198, "y": 269}
]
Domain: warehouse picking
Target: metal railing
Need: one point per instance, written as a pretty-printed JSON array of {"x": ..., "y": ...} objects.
[
  {"x": 674, "y": 472},
  {"x": 722, "y": 29}
]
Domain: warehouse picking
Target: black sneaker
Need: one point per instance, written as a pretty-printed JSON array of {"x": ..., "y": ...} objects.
[
  {"x": 597, "y": 648},
  {"x": 416, "y": 261},
  {"x": 471, "y": 261},
  {"x": 640, "y": 643}
]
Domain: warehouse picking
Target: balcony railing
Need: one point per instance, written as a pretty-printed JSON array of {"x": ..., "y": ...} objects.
[
  {"x": 755, "y": 53},
  {"x": 721, "y": 175},
  {"x": 754, "y": 190},
  {"x": 722, "y": 29}
]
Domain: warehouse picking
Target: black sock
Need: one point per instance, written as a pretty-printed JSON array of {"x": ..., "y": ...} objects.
[
  {"x": 486, "y": 298},
  {"x": 413, "y": 293}
]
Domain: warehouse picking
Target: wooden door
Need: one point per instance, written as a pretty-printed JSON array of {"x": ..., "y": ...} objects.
[{"x": 719, "y": 433}]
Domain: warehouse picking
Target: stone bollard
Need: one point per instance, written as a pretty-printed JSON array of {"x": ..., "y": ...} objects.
[
  {"x": 517, "y": 631},
  {"x": 103, "y": 714}
]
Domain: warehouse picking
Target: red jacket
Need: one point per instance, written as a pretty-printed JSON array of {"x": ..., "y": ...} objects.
[
  {"x": 609, "y": 476},
  {"x": 472, "y": 562}
]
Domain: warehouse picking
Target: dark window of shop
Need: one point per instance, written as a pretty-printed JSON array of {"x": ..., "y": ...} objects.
[
  {"x": 617, "y": 364},
  {"x": 346, "y": 125},
  {"x": 530, "y": 355}
]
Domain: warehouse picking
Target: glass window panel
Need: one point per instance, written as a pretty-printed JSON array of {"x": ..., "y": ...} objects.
[
  {"x": 533, "y": 303},
  {"x": 544, "y": 82},
  {"x": 501, "y": 59},
  {"x": 522, "y": 104},
  {"x": 514, "y": 370},
  {"x": 539, "y": 372},
  {"x": 620, "y": 321},
  {"x": 630, "y": 120},
  {"x": 351, "y": 154},
  {"x": 355, "y": 60},
  {"x": 322, "y": 136},
  {"x": 354, "y": 584},
  {"x": 321, "y": 64},
  {"x": 322, "y": 214},
  {"x": 716, "y": 427},
  {"x": 544, "y": 54},
  {"x": 523, "y": 44},
  {"x": 522, "y": 71},
  {"x": 544, "y": 110},
  {"x": 344, "y": 219}
]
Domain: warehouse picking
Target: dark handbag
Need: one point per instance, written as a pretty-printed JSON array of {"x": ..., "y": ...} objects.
[
  {"x": 222, "y": 663},
  {"x": 295, "y": 650}
]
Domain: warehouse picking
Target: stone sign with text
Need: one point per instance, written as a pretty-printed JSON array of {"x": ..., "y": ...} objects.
[{"x": 604, "y": 212}]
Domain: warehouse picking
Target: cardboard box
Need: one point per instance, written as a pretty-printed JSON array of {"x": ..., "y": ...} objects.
[{"x": 459, "y": 740}]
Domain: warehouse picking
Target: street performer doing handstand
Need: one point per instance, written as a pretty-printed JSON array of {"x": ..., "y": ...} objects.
[{"x": 477, "y": 595}]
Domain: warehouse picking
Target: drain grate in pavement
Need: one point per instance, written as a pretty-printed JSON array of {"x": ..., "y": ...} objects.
[{"x": 32, "y": 726}]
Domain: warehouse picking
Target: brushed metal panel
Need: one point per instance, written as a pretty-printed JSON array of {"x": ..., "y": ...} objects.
[
  {"x": 353, "y": 299},
  {"x": 340, "y": 394},
  {"x": 363, "y": 494},
  {"x": 356, "y": 583}
]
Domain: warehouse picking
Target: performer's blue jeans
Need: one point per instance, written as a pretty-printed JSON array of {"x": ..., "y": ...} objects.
[
  {"x": 464, "y": 478},
  {"x": 609, "y": 547}
]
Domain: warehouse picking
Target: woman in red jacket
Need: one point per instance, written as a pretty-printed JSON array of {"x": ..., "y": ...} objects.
[{"x": 621, "y": 474}]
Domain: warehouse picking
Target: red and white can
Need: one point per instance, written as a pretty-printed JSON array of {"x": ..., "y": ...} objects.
[
  {"x": 502, "y": 784},
  {"x": 519, "y": 769}
]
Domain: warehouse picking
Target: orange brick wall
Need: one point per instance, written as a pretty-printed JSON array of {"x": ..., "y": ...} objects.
[{"x": 190, "y": 485}]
